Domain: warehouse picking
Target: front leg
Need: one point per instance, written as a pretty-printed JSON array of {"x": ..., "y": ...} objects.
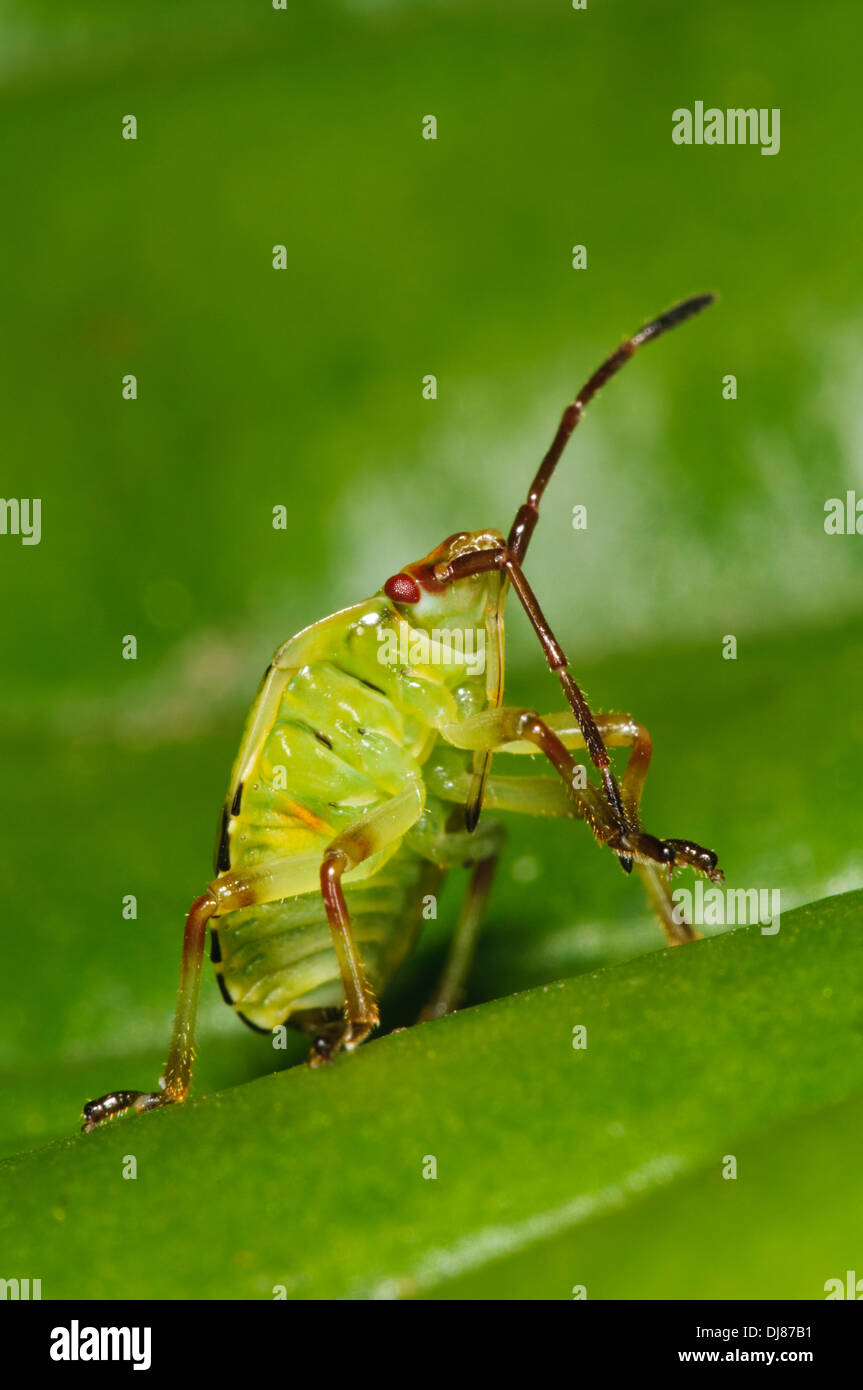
[
  {"x": 515, "y": 731},
  {"x": 496, "y": 728}
]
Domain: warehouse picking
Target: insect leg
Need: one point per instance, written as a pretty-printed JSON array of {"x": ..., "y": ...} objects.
[
  {"x": 450, "y": 987},
  {"x": 380, "y": 829},
  {"x": 558, "y": 663},
  {"x": 622, "y": 730},
  {"x": 265, "y": 882},
  {"x": 360, "y": 847},
  {"x": 480, "y": 851},
  {"x": 497, "y": 727},
  {"x": 178, "y": 1071},
  {"x": 510, "y": 558},
  {"x": 540, "y": 796},
  {"x": 480, "y": 561},
  {"x": 261, "y": 718},
  {"x": 617, "y": 730},
  {"x": 545, "y": 796}
]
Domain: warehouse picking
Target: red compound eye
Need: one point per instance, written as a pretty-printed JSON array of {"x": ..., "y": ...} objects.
[{"x": 402, "y": 589}]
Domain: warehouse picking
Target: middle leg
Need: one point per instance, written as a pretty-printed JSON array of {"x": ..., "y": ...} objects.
[
  {"x": 372, "y": 833},
  {"x": 480, "y": 851}
]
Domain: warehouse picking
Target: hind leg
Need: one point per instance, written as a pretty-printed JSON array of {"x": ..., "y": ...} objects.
[
  {"x": 178, "y": 1071},
  {"x": 375, "y": 835}
]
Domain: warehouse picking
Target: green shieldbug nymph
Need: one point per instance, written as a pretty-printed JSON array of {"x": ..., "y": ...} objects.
[{"x": 363, "y": 769}]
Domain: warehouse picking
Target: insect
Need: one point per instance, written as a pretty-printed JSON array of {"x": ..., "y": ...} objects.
[{"x": 364, "y": 765}]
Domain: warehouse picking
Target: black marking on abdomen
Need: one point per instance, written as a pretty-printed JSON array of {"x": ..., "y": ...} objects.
[
  {"x": 254, "y": 1027},
  {"x": 215, "y": 948},
  {"x": 237, "y": 801},
  {"x": 223, "y": 853},
  {"x": 224, "y": 989},
  {"x": 322, "y": 738}
]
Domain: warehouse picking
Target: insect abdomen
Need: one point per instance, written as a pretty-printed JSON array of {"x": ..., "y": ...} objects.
[
  {"x": 336, "y": 748},
  {"x": 274, "y": 959}
]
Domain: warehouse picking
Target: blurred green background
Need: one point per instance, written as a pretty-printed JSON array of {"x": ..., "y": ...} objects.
[{"x": 303, "y": 387}]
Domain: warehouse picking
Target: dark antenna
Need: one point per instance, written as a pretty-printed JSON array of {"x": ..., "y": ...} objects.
[
  {"x": 528, "y": 513},
  {"x": 509, "y": 559}
]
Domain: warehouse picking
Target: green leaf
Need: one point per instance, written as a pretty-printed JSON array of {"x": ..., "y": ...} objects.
[
  {"x": 551, "y": 1160},
  {"x": 101, "y": 989},
  {"x": 303, "y": 389}
]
